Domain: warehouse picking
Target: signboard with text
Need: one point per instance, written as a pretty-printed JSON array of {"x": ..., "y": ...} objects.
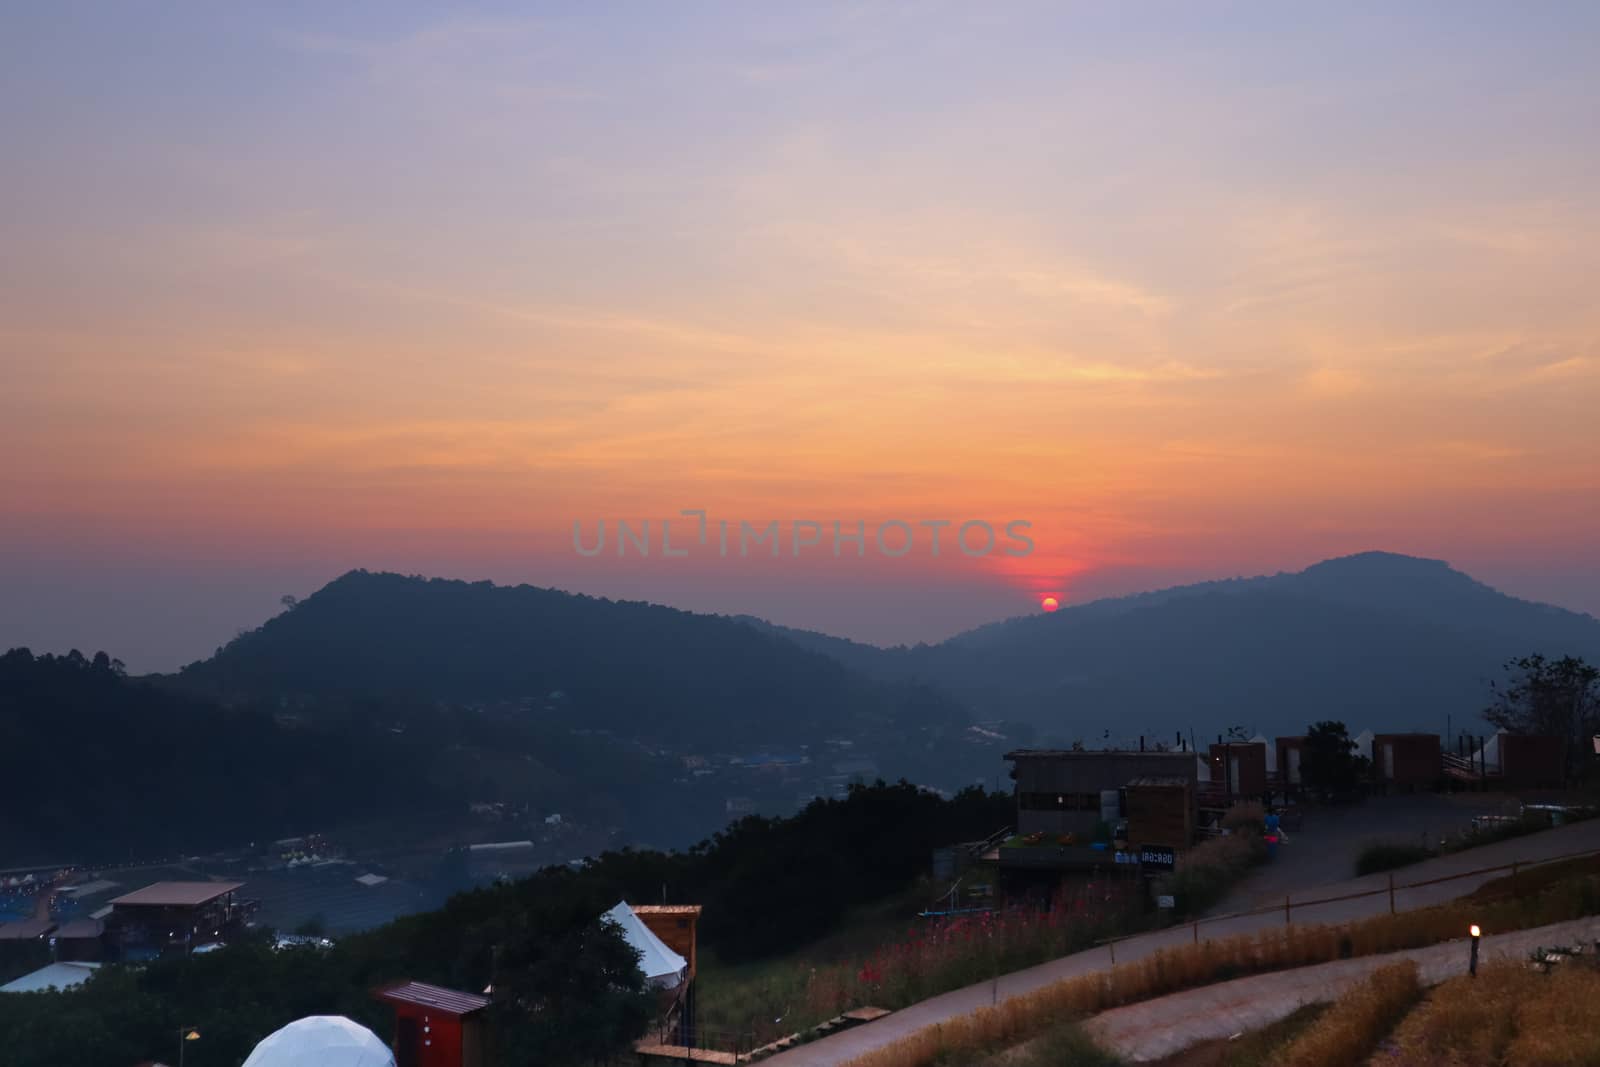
[{"x": 1157, "y": 857}]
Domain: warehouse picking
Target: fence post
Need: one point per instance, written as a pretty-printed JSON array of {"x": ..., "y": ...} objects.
[
  {"x": 1391, "y": 894},
  {"x": 1286, "y": 920},
  {"x": 1514, "y": 866},
  {"x": 1197, "y": 931},
  {"x": 1112, "y": 945}
]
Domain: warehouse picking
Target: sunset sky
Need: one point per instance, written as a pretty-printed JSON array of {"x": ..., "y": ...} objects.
[{"x": 1198, "y": 290}]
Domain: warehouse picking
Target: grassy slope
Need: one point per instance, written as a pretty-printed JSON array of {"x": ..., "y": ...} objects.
[{"x": 1506, "y": 904}]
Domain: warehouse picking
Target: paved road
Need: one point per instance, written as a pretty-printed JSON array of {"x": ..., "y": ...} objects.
[
  {"x": 1156, "y": 1028},
  {"x": 1324, "y": 851},
  {"x": 843, "y": 1047}
]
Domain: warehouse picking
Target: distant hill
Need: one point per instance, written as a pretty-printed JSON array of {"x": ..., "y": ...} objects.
[
  {"x": 634, "y": 668},
  {"x": 1375, "y": 639},
  {"x": 98, "y": 767}
]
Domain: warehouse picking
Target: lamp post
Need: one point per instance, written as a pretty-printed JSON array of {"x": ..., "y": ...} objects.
[
  {"x": 186, "y": 1034},
  {"x": 1472, "y": 961}
]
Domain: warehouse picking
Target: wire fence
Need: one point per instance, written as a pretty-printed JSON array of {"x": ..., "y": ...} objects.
[{"x": 1289, "y": 905}]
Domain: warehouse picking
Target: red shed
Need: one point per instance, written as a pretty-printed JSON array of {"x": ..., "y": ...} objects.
[
  {"x": 435, "y": 1026},
  {"x": 1407, "y": 760},
  {"x": 1526, "y": 760}
]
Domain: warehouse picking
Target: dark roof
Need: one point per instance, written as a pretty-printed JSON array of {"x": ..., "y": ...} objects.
[
  {"x": 665, "y": 909},
  {"x": 444, "y": 1001},
  {"x": 177, "y": 894},
  {"x": 81, "y": 929},
  {"x": 26, "y": 929}
]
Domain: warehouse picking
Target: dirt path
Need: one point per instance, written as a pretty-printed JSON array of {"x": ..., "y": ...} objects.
[{"x": 1157, "y": 1028}]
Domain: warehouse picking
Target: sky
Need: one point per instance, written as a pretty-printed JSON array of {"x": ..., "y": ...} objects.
[{"x": 1194, "y": 289}]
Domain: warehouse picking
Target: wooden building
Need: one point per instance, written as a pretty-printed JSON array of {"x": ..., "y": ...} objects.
[
  {"x": 173, "y": 917},
  {"x": 435, "y": 1026},
  {"x": 1406, "y": 761},
  {"x": 81, "y": 940},
  {"x": 1531, "y": 762},
  {"x": 1161, "y": 812},
  {"x": 676, "y": 924},
  {"x": 1290, "y": 751},
  {"x": 1070, "y": 792},
  {"x": 1239, "y": 769}
]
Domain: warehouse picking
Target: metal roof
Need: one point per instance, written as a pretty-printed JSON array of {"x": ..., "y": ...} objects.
[
  {"x": 26, "y": 929},
  {"x": 81, "y": 928},
  {"x": 52, "y": 976},
  {"x": 177, "y": 894},
  {"x": 1158, "y": 783},
  {"x": 445, "y": 1001}
]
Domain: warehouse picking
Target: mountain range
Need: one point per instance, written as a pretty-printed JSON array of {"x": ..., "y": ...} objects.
[
  {"x": 1376, "y": 639},
  {"x": 450, "y": 691}
]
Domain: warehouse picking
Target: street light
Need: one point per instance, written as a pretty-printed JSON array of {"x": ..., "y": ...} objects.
[
  {"x": 186, "y": 1034},
  {"x": 1472, "y": 963}
]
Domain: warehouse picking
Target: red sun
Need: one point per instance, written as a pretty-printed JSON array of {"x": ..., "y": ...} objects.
[{"x": 1049, "y": 603}]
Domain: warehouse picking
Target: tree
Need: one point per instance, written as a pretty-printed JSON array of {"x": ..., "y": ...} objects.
[
  {"x": 1329, "y": 762},
  {"x": 1549, "y": 698}
]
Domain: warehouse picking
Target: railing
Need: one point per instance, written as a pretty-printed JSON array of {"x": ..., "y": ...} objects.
[
  {"x": 736, "y": 1042},
  {"x": 1288, "y": 905},
  {"x": 977, "y": 849}
]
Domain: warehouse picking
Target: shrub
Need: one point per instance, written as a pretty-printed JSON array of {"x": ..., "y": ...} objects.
[
  {"x": 1465, "y": 1020},
  {"x": 1066, "y": 1043},
  {"x": 1509, "y": 1014},
  {"x": 1250, "y": 816},
  {"x": 932, "y": 957},
  {"x": 1388, "y": 855},
  {"x": 1349, "y": 1030},
  {"x": 1490, "y": 833},
  {"x": 1206, "y": 871},
  {"x": 1561, "y": 1024},
  {"x": 1535, "y": 879}
]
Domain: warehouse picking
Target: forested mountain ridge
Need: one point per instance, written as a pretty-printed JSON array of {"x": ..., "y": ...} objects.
[
  {"x": 635, "y": 668},
  {"x": 103, "y": 768},
  {"x": 1376, "y": 639}
]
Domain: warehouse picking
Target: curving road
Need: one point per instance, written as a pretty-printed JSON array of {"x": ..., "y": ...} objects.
[{"x": 842, "y": 1047}]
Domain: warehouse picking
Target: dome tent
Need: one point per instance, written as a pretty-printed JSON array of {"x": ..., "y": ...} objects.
[{"x": 321, "y": 1041}]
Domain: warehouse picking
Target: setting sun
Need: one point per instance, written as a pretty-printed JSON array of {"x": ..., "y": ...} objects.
[{"x": 1049, "y": 603}]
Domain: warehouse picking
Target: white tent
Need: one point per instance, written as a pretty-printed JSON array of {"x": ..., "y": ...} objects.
[
  {"x": 1271, "y": 750},
  {"x": 321, "y": 1041},
  {"x": 54, "y": 976},
  {"x": 663, "y": 967},
  {"x": 1364, "y": 743},
  {"x": 1488, "y": 756}
]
